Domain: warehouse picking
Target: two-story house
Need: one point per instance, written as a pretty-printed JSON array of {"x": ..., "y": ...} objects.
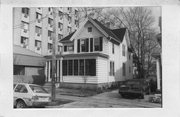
[{"x": 93, "y": 55}]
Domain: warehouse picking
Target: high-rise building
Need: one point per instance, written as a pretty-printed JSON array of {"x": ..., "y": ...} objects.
[
  {"x": 32, "y": 37},
  {"x": 33, "y": 27}
]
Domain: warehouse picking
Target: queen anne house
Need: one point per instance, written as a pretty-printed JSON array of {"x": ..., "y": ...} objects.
[{"x": 93, "y": 55}]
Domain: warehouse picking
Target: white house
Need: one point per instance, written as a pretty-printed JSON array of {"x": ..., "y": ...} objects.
[{"x": 93, "y": 55}]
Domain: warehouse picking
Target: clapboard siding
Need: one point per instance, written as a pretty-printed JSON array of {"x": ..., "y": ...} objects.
[{"x": 102, "y": 70}]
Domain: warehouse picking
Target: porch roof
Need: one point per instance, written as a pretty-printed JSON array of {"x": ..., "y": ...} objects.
[{"x": 80, "y": 55}]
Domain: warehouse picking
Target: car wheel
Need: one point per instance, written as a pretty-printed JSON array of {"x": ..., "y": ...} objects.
[{"x": 20, "y": 104}]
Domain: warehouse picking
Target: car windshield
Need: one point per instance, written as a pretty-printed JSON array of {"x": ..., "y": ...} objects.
[{"x": 37, "y": 89}]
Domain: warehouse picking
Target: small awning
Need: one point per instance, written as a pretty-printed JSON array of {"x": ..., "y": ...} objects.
[{"x": 25, "y": 57}]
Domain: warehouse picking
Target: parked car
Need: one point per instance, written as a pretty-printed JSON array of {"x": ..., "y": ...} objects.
[
  {"x": 30, "y": 95},
  {"x": 135, "y": 87}
]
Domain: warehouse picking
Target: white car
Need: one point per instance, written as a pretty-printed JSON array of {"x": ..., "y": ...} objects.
[{"x": 30, "y": 95}]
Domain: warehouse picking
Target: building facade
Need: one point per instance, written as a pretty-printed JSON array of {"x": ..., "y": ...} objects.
[
  {"x": 94, "y": 56},
  {"x": 33, "y": 33}
]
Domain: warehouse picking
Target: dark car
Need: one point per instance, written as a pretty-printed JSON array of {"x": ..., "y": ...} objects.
[{"x": 135, "y": 87}]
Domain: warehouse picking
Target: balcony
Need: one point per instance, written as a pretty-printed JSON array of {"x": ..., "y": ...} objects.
[{"x": 25, "y": 17}]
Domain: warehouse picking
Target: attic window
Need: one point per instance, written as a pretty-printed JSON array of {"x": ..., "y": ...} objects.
[{"x": 89, "y": 29}]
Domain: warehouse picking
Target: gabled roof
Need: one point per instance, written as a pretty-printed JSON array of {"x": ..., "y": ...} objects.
[
  {"x": 67, "y": 38},
  {"x": 119, "y": 33},
  {"x": 116, "y": 34}
]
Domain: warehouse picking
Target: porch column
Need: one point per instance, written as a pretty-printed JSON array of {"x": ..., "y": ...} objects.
[
  {"x": 45, "y": 71},
  {"x": 61, "y": 76},
  {"x": 158, "y": 74},
  {"x": 49, "y": 71}
]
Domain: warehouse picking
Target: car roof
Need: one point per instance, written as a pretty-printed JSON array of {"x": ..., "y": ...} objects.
[{"x": 27, "y": 84}]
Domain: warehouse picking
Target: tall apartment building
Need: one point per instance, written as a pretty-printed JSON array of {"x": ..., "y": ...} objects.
[
  {"x": 32, "y": 36},
  {"x": 33, "y": 27}
]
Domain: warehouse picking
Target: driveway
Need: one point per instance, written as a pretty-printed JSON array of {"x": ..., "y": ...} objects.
[{"x": 110, "y": 99}]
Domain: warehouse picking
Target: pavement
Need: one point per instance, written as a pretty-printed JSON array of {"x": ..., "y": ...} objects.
[{"x": 111, "y": 99}]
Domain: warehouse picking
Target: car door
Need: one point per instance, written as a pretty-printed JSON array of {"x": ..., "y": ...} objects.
[{"x": 22, "y": 92}]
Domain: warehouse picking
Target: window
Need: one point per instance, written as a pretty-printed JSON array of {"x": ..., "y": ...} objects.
[
  {"x": 60, "y": 26},
  {"x": 112, "y": 73},
  {"x": 81, "y": 67},
  {"x": 69, "y": 29},
  {"x": 76, "y": 23},
  {"x": 38, "y": 16},
  {"x": 69, "y": 19},
  {"x": 76, "y": 66},
  {"x": 70, "y": 48},
  {"x": 112, "y": 48},
  {"x": 38, "y": 44},
  {"x": 70, "y": 67},
  {"x": 85, "y": 45},
  {"x": 65, "y": 48},
  {"x": 25, "y": 26},
  {"x": 38, "y": 30},
  {"x": 25, "y": 11},
  {"x": 24, "y": 41},
  {"x": 124, "y": 69},
  {"x": 21, "y": 89},
  {"x": 60, "y": 36},
  {"x": 64, "y": 67},
  {"x": 98, "y": 44},
  {"x": 60, "y": 15},
  {"x": 123, "y": 50},
  {"x": 49, "y": 46},
  {"x": 90, "y": 67},
  {"x": 50, "y": 34},
  {"x": 89, "y": 29},
  {"x": 91, "y": 44},
  {"x": 50, "y": 22}
]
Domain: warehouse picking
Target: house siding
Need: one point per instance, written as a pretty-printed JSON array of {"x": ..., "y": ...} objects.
[{"x": 102, "y": 70}]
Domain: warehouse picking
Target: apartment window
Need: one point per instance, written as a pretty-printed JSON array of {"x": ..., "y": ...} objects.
[
  {"x": 25, "y": 26},
  {"x": 123, "y": 50},
  {"x": 60, "y": 26},
  {"x": 24, "y": 40},
  {"x": 76, "y": 23},
  {"x": 76, "y": 13},
  {"x": 50, "y": 22},
  {"x": 112, "y": 48},
  {"x": 60, "y": 15},
  {"x": 38, "y": 16},
  {"x": 124, "y": 69},
  {"x": 64, "y": 66},
  {"x": 50, "y": 34},
  {"x": 49, "y": 46},
  {"x": 25, "y": 11},
  {"x": 38, "y": 31},
  {"x": 85, "y": 45},
  {"x": 98, "y": 44},
  {"x": 60, "y": 36},
  {"x": 89, "y": 29},
  {"x": 76, "y": 67},
  {"x": 112, "y": 68},
  {"x": 69, "y": 29},
  {"x": 69, "y": 9},
  {"x": 38, "y": 44},
  {"x": 69, "y": 19}
]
